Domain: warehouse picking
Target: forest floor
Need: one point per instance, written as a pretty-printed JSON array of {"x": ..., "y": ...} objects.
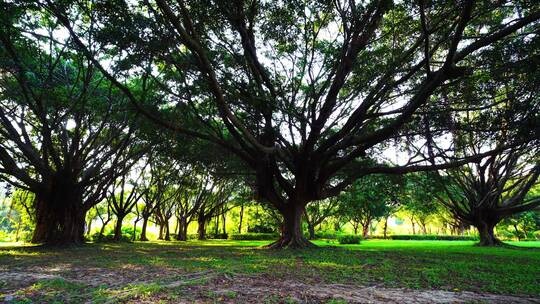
[{"x": 375, "y": 271}]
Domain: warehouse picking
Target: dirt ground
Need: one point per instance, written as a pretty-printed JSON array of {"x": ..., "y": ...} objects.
[{"x": 211, "y": 287}]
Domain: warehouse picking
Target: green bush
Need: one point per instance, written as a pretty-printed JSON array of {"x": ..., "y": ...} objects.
[
  {"x": 108, "y": 237},
  {"x": 253, "y": 236},
  {"x": 433, "y": 237},
  {"x": 377, "y": 237},
  {"x": 349, "y": 239},
  {"x": 326, "y": 235}
]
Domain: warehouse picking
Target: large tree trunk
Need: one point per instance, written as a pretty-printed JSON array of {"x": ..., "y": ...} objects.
[
  {"x": 487, "y": 236},
  {"x": 182, "y": 230},
  {"x": 291, "y": 230},
  {"x": 143, "y": 229},
  {"x": 118, "y": 227},
  {"x": 60, "y": 218}
]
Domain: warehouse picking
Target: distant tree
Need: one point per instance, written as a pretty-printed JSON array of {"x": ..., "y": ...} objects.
[
  {"x": 369, "y": 199},
  {"x": 317, "y": 212},
  {"x": 218, "y": 194},
  {"x": 419, "y": 200},
  {"x": 122, "y": 199},
  {"x": 522, "y": 225},
  {"x": 165, "y": 210},
  {"x": 192, "y": 198},
  {"x": 104, "y": 213}
]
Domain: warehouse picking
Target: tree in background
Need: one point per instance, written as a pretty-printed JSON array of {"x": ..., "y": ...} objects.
[
  {"x": 122, "y": 199},
  {"x": 318, "y": 212},
  {"x": 521, "y": 225},
  {"x": 369, "y": 199},
  {"x": 418, "y": 199},
  {"x": 218, "y": 195},
  {"x": 194, "y": 195}
]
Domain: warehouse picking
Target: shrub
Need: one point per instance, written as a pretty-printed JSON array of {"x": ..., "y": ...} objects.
[
  {"x": 349, "y": 239},
  {"x": 326, "y": 235},
  {"x": 261, "y": 229},
  {"x": 377, "y": 237},
  {"x": 536, "y": 235},
  {"x": 108, "y": 237},
  {"x": 219, "y": 236},
  {"x": 433, "y": 237},
  {"x": 253, "y": 236}
]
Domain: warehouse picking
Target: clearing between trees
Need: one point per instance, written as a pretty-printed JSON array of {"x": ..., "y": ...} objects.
[{"x": 375, "y": 271}]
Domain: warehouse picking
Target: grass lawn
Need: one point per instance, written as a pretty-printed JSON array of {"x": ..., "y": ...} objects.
[{"x": 124, "y": 271}]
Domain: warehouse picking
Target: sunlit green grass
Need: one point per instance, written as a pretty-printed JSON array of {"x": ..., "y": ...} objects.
[{"x": 449, "y": 265}]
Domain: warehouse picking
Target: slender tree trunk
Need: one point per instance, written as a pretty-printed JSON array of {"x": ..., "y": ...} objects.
[
  {"x": 223, "y": 224},
  {"x": 201, "y": 230},
  {"x": 143, "y": 229},
  {"x": 60, "y": 218},
  {"x": 517, "y": 232},
  {"x": 424, "y": 228},
  {"x": 413, "y": 227},
  {"x": 167, "y": 231},
  {"x": 487, "y": 236},
  {"x": 216, "y": 227},
  {"x": 241, "y": 218},
  {"x": 355, "y": 228},
  {"x": 161, "y": 228},
  {"x": 311, "y": 229},
  {"x": 118, "y": 227},
  {"x": 134, "y": 236},
  {"x": 17, "y": 231},
  {"x": 385, "y": 229},
  {"x": 89, "y": 227},
  {"x": 291, "y": 234},
  {"x": 102, "y": 229},
  {"x": 365, "y": 230}
]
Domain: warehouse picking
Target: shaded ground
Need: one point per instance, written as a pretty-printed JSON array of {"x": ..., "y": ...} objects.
[{"x": 238, "y": 272}]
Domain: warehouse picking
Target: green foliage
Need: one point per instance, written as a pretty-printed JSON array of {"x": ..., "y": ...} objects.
[
  {"x": 349, "y": 239},
  {"x": 369, "y": 199},
  {"x": 433, "y": 237},
  {"x": 253, "y": 236},
  {"x": 127, "y": 235}
]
